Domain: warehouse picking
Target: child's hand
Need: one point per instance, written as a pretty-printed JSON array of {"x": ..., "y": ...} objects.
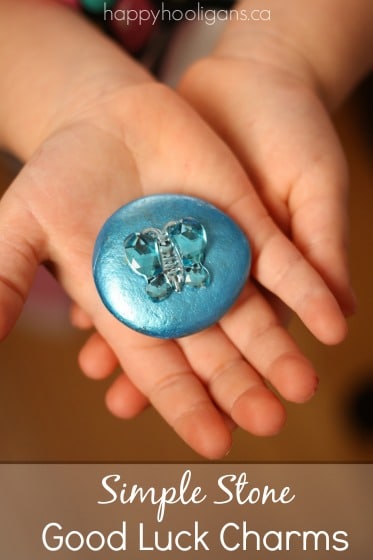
[
  {"x": 138, "y": 141},
  {"x": 259, "y": 91},
  {"x": 98, "y": 132}
]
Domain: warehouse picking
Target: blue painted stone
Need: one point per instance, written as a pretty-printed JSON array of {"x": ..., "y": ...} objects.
[{"x": 170, "y": 265}]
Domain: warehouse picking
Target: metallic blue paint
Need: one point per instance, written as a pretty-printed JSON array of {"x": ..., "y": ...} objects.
[{"x": 228, "y": 259}]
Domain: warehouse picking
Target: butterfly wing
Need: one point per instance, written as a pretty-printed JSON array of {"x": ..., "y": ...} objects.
[
  {"x": 141, "y": 252},
  {"x": 142, "y": 255},
  {"x": 197, "y": 276},
  {"x": 159, "y": 288}
]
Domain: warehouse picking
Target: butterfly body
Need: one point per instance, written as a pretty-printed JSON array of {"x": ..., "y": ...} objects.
[{"x": 172, "y": 264}]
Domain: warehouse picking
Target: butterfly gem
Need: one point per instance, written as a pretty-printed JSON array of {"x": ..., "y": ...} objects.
[{"x": 169, "y": 258}]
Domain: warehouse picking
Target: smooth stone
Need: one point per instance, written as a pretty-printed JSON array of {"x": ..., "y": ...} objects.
[{"x": 132, "y": 279}]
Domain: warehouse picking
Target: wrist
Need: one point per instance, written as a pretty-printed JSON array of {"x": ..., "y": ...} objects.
[
  {"x": 329, "y": 45},
  {"x": 58, "y": 67}
]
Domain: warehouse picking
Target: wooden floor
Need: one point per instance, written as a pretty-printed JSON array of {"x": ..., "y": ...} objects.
[{"x": 50, "y": 412}]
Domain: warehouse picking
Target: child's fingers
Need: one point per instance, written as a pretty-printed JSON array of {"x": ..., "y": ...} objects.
[
  {"x": 233, "y": 384},
  {"x": 22, "y": 244},
  {"x": 228, "y": 358},
  {"x": 319, "y": 227},
  {"x": 124, "y": 400},
  {"x": 281, "y": 268},
  {"x": 79, "y": 318},
  {"x": 96, "y": 359},
  {"x": 262, "y": 340},
  {"x": 161, "y": 372}
]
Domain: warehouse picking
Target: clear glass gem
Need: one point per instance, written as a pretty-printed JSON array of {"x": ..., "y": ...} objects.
[
  {"x": 142, "y": 254},
  {"x": 190, "y": 238},
  {"x": 158, "y": 288},
  {"x": 197, "y": 276}
]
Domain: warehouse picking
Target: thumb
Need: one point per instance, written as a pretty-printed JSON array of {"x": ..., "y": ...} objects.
[{"x": 22, "y": 244}]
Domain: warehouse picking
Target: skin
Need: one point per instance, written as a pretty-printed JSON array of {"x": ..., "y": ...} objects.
[{"x": 99, "y": 131}]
